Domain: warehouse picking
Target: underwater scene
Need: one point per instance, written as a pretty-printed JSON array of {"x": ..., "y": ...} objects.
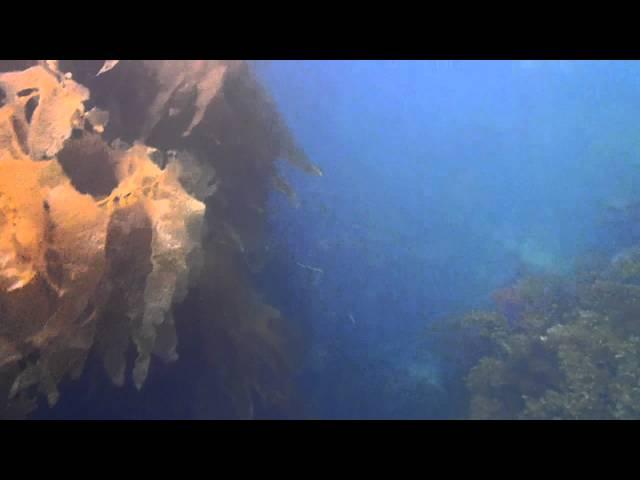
[{"x": 337, "y": 240}]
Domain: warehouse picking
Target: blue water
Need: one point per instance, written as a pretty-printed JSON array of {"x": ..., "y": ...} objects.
[{"x": 442, "y": 181}]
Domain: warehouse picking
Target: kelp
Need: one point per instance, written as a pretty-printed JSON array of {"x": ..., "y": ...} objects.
[{"x": 110, "y": 215}]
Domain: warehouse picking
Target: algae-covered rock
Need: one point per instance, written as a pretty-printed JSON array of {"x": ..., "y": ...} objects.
[{"x": 574, "y": 357}]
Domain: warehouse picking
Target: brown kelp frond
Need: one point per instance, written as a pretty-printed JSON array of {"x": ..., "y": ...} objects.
[{"x": 102, "y": 235}]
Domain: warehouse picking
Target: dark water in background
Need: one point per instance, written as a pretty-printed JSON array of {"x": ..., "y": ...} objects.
[{"x": 442, "y": 181}]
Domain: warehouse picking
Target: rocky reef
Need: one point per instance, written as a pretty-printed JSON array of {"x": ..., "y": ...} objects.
[
  {"x": 557, "y": 347},
  {"x": 126, "y": 186}
]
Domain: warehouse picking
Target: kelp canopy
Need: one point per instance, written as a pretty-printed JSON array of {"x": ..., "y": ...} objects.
[{"x": 129, "y": 189}]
